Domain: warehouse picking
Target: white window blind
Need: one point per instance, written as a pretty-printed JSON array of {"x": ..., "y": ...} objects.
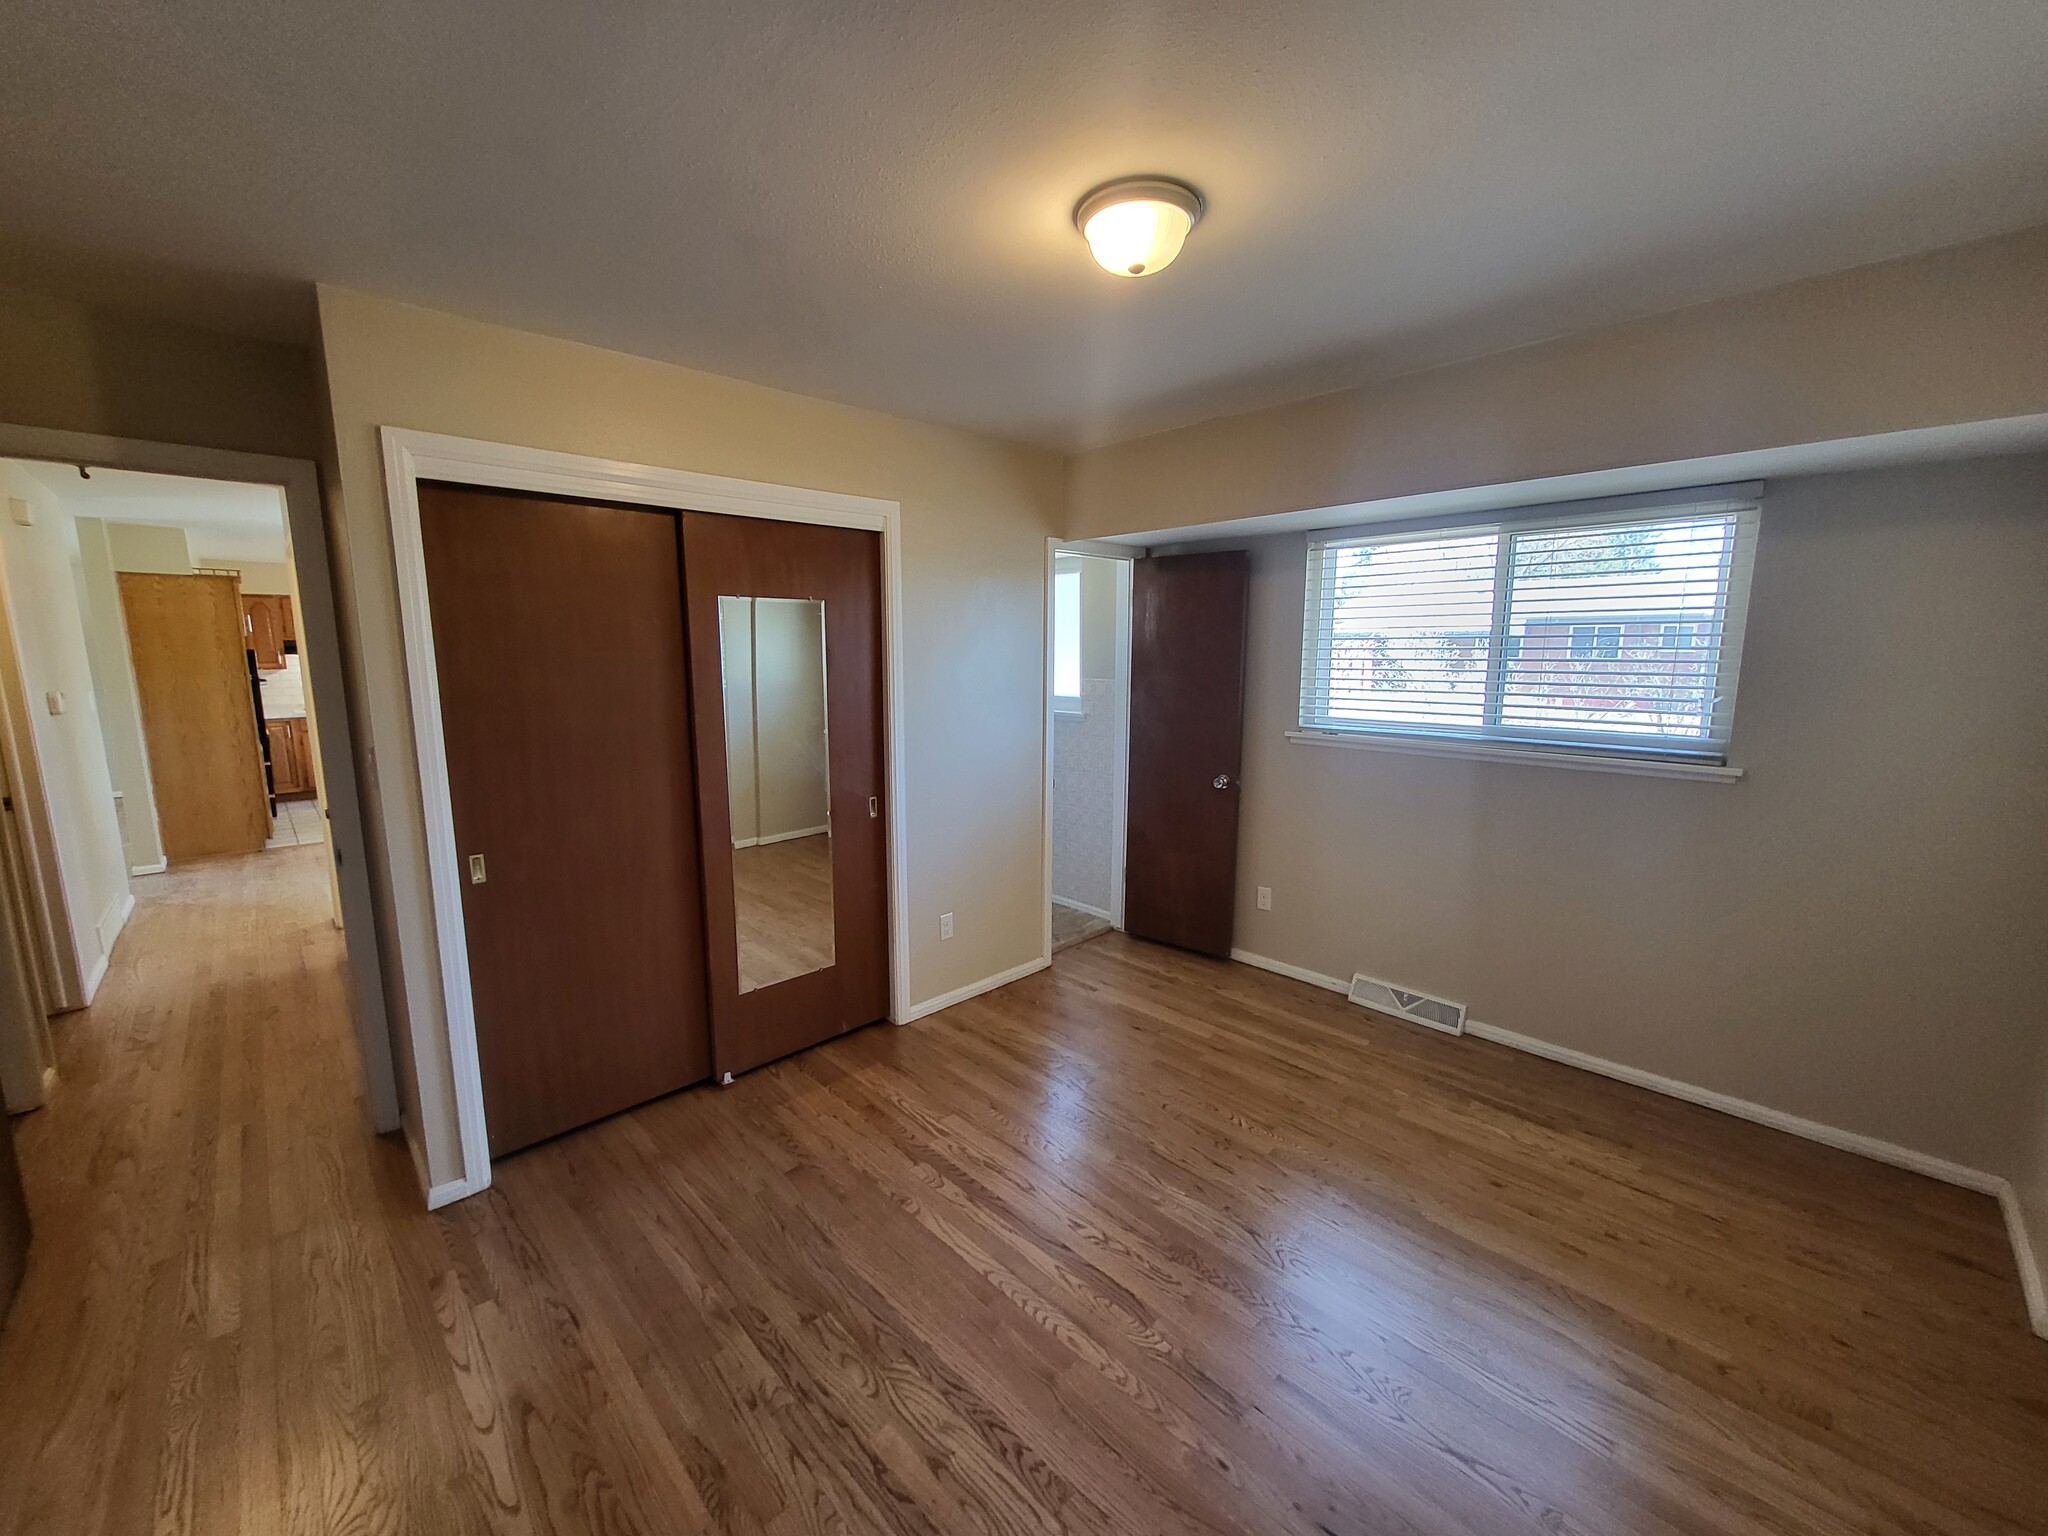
[{"x": 1610, "y": 631}]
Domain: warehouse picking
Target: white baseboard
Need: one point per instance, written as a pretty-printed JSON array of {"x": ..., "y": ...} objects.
[
  {"x": 106, "y": 930},
  {"x": 1743, "y": 1109},
  {"x": 115, "y": 918},
  {"x": 150, "y": 869},
  {"x": 89, "y": 983},
  {"x": 780, "y": 837},
  {"x": 946, "y": 1000},
  {"x": 1293, "y": 972},
  {"x": 1082, "y": 906},
  {"x": 2027, "y": 1256},
  {"x": 438, "y": 1195},
  {"x": 1933, "y": 1167}
]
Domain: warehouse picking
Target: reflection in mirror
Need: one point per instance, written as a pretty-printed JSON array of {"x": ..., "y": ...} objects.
[{"x": 772, "y": 654}]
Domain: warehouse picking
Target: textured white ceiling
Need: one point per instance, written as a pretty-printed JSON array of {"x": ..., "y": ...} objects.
[{"x": 870, "y": 200}]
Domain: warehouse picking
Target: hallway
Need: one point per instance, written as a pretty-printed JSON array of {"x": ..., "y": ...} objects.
[{"x": 205, "y": 1309}]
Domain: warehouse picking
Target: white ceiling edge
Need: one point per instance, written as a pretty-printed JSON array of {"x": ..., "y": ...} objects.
[{"x": 1917, "y": 445}]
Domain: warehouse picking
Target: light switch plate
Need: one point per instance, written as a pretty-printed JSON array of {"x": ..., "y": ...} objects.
[
  {"x": 55, "y": 700},
  {"x": 18, "y": 510},
  {"x": 1265, "y": 898},
  {"x": 945, "y": 925}
]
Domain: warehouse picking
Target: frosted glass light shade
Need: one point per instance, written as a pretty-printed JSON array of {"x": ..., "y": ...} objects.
[{"x": 1135, "y": 228}]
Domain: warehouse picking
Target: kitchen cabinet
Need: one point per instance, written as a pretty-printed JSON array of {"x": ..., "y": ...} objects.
[
  {"x": 291, "y": 757},
  {"x": 267, "y": 621}
]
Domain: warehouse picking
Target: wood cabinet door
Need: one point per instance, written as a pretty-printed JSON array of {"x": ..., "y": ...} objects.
[
  {"x": 263, "y": 625},
  {"x": 290, "y": 764}
]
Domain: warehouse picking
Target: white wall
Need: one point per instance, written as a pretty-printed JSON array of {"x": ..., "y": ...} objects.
[
  {"x": 43, "y": 599},
  {"x": 1084, "y": 743},
  {"x": 1851, "y": 933},
  {"x": 120, "y": 706}
]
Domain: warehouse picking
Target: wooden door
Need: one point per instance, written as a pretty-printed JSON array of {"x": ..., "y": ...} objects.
[
  {"x": 559, "y": 649},
  {"x": 198, "y": 713},
  {"x": 842, "y": 567},
  {"x": 1187, "y": 739}
]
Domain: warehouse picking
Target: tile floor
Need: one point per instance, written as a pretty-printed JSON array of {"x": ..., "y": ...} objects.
[{"x": 297, "y": 822}]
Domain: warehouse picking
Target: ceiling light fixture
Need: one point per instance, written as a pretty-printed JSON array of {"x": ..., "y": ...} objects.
[{"x": 1136, "y": 226}]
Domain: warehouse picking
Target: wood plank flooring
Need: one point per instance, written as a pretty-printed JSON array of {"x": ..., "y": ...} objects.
[
  {"x": 1141, "y": 1244},
  {"x": 782, "y": 909}
]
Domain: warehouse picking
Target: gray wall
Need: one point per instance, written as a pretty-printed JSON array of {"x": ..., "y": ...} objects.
[{"x": 1853, "y": 932}]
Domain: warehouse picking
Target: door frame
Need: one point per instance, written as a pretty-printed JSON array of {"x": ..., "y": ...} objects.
[
  {"x": 1120, "y": 763},
  {"x": 306, "y": 519},
  {"x": 412, "y": 456}
]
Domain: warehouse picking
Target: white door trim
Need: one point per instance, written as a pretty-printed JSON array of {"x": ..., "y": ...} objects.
[
  {"x": 410, "y": 457},
  {"x": 299, "y": 480}
]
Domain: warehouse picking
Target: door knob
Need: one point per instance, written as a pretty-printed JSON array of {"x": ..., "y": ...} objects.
[{"x": 1221, "y": 781}]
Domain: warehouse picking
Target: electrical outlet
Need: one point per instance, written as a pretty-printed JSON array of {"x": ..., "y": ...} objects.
[
  {"x": 18, "y": 510},
  {"x": 1265, "y": 898},
  {"x": 945, "y": 925}
]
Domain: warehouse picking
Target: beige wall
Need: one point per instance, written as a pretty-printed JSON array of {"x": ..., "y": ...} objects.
[
  {"x": 1955, "y": 336},
  {"x": 976, "y": 514},
  {"x": 773, "y": 665},
  {"x": 85, "y": 369},
  {"x": 49, "y": 638},
  {"x": 271, "y": 576},
  {"x": 1851, "y": 933},
  {"x": 149, "y": 547},
  {"x": 789, "y": 724}
]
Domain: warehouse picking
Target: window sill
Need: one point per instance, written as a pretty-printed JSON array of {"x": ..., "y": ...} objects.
[
  {"x": 1069, "y": 711},
  {"x": 1503, "y": 752}
]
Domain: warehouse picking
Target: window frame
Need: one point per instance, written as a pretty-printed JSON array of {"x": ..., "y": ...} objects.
[{"x": 1621, "y": 751}]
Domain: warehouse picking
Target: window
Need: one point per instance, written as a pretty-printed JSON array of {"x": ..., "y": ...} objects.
[
  {"x": 1613, "y": 633},
  {"x": 1066, "y": 634},
  {"x": 1596, "y": 642}
]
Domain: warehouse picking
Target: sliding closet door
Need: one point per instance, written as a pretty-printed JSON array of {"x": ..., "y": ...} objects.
[
  {"x": 786, "y": 652},
  {"x": 559, "y": 647}
]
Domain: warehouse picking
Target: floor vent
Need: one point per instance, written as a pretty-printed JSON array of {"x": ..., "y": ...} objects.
[{"x": 1416, "y": 1007}]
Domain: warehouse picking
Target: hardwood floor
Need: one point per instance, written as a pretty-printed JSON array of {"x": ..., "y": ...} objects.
[
  {"x": 1142, "y": 1243},
  {"x": 782, "y": 909}
]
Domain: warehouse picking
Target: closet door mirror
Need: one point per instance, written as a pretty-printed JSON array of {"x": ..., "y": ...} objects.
[{"x": 778, "y": 784}]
